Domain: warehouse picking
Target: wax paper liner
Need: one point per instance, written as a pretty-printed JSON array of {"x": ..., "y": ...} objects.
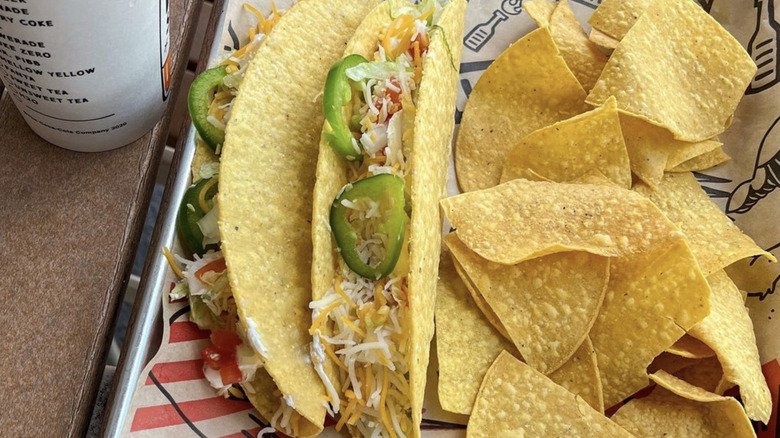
[{"x": 172, "y": 397}]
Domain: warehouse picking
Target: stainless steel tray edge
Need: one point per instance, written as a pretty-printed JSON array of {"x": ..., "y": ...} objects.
[{"x": 147, "y": 311}]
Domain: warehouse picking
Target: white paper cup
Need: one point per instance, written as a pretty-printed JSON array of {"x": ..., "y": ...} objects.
[{"x": 87, "y": 75}]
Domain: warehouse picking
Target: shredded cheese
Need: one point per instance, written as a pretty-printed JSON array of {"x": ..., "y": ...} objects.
[{"x": 360, "y": 322}]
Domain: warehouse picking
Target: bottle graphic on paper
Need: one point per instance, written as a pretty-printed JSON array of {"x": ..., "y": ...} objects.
[
  {"x": 87, "y": 75},
  {"x": 763, "y": 47}
]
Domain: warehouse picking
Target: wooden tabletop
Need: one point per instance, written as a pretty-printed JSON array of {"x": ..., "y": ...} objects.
[{"x": 69, "y": 227}]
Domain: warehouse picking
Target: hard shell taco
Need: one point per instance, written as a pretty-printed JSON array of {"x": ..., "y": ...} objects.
[
  {"x": 389, "y": 107},
  {"x": 249, "y": 280}
]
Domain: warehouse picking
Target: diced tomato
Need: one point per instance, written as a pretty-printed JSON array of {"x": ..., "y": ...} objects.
[
  {"x": 230, "y": 374},
  {"x": 214, "y": 358},
  {"x": 395, "y": 96},
  {"x": 225, "y": 341},
  {"x": 423, "y": 40}
]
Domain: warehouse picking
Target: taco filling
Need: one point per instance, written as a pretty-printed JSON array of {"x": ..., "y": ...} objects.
[
  {"x": 234, "y": 356},
  {"x": 361, "y": 321}
]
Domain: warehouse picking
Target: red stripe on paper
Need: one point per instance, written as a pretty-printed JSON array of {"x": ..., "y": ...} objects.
[
  {"x": 183, "y": 331},
  {"x": 153, "y": 417},
  {"x": 169, "y": 372},
  {"x": 254, "y": 431},
  {"x": 771, "y": 371}
]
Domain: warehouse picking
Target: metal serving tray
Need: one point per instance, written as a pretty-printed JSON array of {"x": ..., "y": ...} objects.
[{"x": 144, "y": 333}]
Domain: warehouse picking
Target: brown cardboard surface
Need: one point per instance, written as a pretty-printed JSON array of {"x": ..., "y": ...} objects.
[{"x": 70, "y": 226}]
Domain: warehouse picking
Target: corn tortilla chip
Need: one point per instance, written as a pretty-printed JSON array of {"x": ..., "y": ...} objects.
[
  {"x": 275, "y": 127},
  {"x": 671, "y": 363},
  {"x": 479, "y": 300},
  {"x": 520, "y": 220},
  {"x": 584, "y": 59},
  {"x": 547, "y": 305},
  {"x": 711, "y": 71},
  {"x": 653, "y": 149},
  {"x": 466, "y": 343},
  {"x": 729, "y": 331},
  {"x": 702, "y": 162},
  {"x": 567, "y": 150},
  {"x": 516, "y": 401},
  {"x": 615, "y": 17},
  {"x": 696, "y": 150},
  {"x": 683, "y": 411},
  {"x": 203, "y": 155},
  {"x": 704, "y": 373},
  {"x": 690, "y": 347},
  {"x": 594, "y": 177},
  {"x": 503, "y": 108},
  {"x": 652, "y": 299},
  {"x": 756, "y": 274},
  {"x": 713, "y": 237},
  {"x": 580, "y": 375},
  {"x": 540, "y": 11},
  {"x": 683, "y": 388},
  {"x": 582, "y": 56},
  {"x": 601, "y": 39}
]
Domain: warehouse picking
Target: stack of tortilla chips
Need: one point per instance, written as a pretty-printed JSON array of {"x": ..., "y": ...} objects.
[{"x": 586, "y": 263}]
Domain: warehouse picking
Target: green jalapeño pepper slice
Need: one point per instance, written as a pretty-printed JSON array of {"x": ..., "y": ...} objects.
[
  {"x": 388, "y": 191},
  {"x": 191, "y": 210},
  {"x": 198, "y": 101},
  {"x": 336, "y": 95}
]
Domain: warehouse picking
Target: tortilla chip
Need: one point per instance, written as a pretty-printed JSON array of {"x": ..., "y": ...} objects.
[
  {"x": 687, "y": 411},
  {"x": 704, "y": 373},
  {"x": 520, "y": 220},
  {"x": 584, "y": 59},
  {"x": 729, "y": 331},
  {"x": 671, "y": 363},
  {"x": 756, "y": 275},
  {"x": 540, "y": 11},
  {"x": 582, "y": 56},
  {"x": 691, "y": 151},
  {"x": 702, "y": 162},
  {"x": 515, "y": 401},
  {"x": 548, "y": 92},
  {"x": 580, "y": 375},
  {"x": 711, "y": 71},
  {"x": 567, "y": 150},
  {"x": 203, "y": 155},
  {"x": 652, "y": 299},
  {"x": 275, "y": 127},
  {"x": 594, "y": 177},
  {"x": 479, "y": 300},
  {"x": 466, "y": 343},
  {"x": 653, "y": 149},
  {"x": 713, "y": 237},
  {"x": 547, "y": 305},
  {"x": 602, "y": 40},
  {"x": 615, "y": 17},
  {"x": 690, "y": 347},
  {"x": 433, "y": 128}
]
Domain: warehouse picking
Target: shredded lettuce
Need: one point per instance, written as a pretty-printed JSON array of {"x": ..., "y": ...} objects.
[
  {"x": 209, "y": 227},
  {"x": 209, "y": 170},
  {"x": 376, "y": 70},
  {"x": 181, "y": 290},
  {"x": 201, "y": 315}
]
